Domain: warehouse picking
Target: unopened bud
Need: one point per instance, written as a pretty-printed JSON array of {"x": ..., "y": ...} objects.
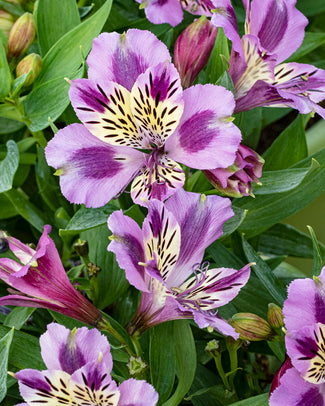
[
  {"x": 251, "y": 327},
  {"x": 193, "y": 48},
  {"x": 6, "y": 21},
  {"x": 275, "y": 316},
  {"x": 82, "y": 248},
  {"x": 136, "y": 366},
  {"x": 31, "y": 63},
  {"x": 213, "y": 348},
  {"x": 21, "y": 35}
]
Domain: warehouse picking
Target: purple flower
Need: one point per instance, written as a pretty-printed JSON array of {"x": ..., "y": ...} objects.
[
  {"x": 304, "y": 383},
  {"x": 171, "y": 11},
  {"x": 236, "y": 180},
  {"x": 138, "y": 123},
  {"x": 274, "y": 29},
  {"x": 193, "y": 48},
  {"x": 79, "y": 364},
  {"x": 163, "y": 261},
  {"x": 41, "y": 281}
]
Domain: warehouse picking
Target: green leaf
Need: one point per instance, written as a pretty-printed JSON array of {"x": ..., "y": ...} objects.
[
  {"x": 281, "y": 155},
  {"x": 49, "y": 96},
  {"x": 9, "y": 166},
  {"x": 278, "y": 348},
  {"x": 5, "y": 75},
  {"x": 162, "y": 359},
  {"x": 265, "y": 275},
  {"x": 234, "y": 222},
  {"x": 283, "y": 239},
  {"x": 18, "y": 317},
  {"x": 26, "y": 209},
  {"x": 266, "y": 210},
  {"x": 225, "y": 81},
  {"x": 311, "y": 7},
  {"x": 50, "y": 24},
  {"x": 318, "y": 263},
  {"x": 311, "y": 41},
  {"x": 185, "y": 360},
  {"x": 260, "y": 400},
  {"x": 218, "y": 61},
  {"x": 8, "y": 126},
  {"x": 7, "y": 210},
  {"x": 5, "y": 343},
  {"x": 250, "y": 125},
  {"x": 281, "y": 180}
]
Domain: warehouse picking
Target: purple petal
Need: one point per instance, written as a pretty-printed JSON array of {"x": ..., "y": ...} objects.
[
  {"x": 105, "y": 111},
  {"x": 127, "y": 245},
  {"x": 224, "y": 16},
  {"x": 164, "y": 11},
  {"x": 44, "y": 387},
  {"x": 137, "y": 393},
  {"x": 122, "y": 58},
  {"x": 198, "y": 7},
  {"x": 201, "y": 220},
  {"x": 22, "y": 251},
  {"x": 157, "y": 103},
  {"x": 159, "y": 179},
  {"x": 68, "y": 351},
  {"x": 204, "y": 320},
  {"x": 295, "y": 391},
  {"x": 279, "y": 26},
  {"x": 205, "y": 137},
  {"x": 93, "y": 172}
]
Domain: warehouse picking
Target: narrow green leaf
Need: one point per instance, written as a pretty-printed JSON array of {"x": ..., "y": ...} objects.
[
  {"x": 7, "y": 210},
  {"x": 260, "y": 400},
  {"x": 278, "y": 348},
  {"x": 5, "y": 343},
  {"x": 162, "y": 359},
  {"x": 283, "y": 239},
  {"x": 18, "y": 317},
  {"x": 265, "y": 275},
  {"x": 185, "y": 353},
  {"x": 281, "y": 155},
  {"x": 312, "y": 7},
  {"x": 5, "y": 75},
  {"x": 312, "y": 40},
  {"x": 8, "y": 126},
  {"x": 9, "y": 166},
  {"x": 225, "y": 81},
  {"x": 218, "y": 61},
  {"x": 50, "y": 24},
  {"x": 318, "y": 263},
  {"x": 49, "y": 97},
  {"x": 250, "y": 125},
  {"x": 234, "y": 222}
]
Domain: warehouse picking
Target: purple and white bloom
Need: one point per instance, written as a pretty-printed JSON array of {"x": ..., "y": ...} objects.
[
  {"x": 171, "y": 11},
  {"x": 236, "y": 180},
  {"x": 304, "y": 383},
  {"x": 163, "y": 261},
  {"x": 39, "y": 280},
  {"x": 79, "y": 364},
  {"x": 138, "y": 123},
  {"x": 274, "y": 29}
]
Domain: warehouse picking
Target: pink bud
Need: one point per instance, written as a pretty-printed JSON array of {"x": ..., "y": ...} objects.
[
  {"x": 21, "y": 36},
  {"x": 193, "y": 48}
]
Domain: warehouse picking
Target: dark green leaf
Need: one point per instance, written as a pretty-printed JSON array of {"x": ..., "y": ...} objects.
[
  {"x": 312, "y": 7},
  {"x": 8, "y": 126},
  {"x": 311, "y": 41},
  {"x": 162, "y": 359},
  {"x": 9, "y": 166},
  {"x": 260, "y": 400},
  {"x": 281, "y": 155},
  {"x": 218, "y": 61},
  {"x": 5, "y": 75},
  {"x": 234, "y": 222},
  {"x": 250, "y": 125},
  {"x": 318, "y": 263},
  {"x": 18, "y": 317},
  {"x": 5, "y": 344},
  {"x": 51, "y": 25}
]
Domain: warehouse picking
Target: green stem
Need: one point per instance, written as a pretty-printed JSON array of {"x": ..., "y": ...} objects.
[
  {"x": 217, "y": 360},
  {"x": 136, "y": 345},
  {"x": 105, "y": 325}
]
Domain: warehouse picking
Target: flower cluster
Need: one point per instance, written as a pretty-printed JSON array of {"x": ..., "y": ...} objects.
[{"x": 79, "y": 364}]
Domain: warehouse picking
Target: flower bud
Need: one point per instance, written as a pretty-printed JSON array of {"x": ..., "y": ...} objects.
[
  {"x": 275, "y": 316},
  {"x": 21, "y": 35},
  {"x": 82, "y": 248},
  {"x": 251, "y": 327},
  {"x": 237, "y": 179},
  {"x": 6, "y": 21},
  {"x": 31, "y": 63},
  {"x": 193, "y": 48},
  {"x": 213, "y": 348}
]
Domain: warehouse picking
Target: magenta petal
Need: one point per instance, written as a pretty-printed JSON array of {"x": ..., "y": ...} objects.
[
  {"x": 201, "y": 220},
  {"x": 127, "y": 245},
  {"x": 295, "y": 391},
  {"x": 279, "y": 26},
  {"x": 198, "y": 7},
  {"x": 205, "y": 137},
  {"x": 167, "y": 11},
  {"x": 137, "y": 393},
  {"x": 68, "y": 351},
  {"x": 216, "y": 322},
  {"x": 93, "y": 172},
  {"x": 122, "y": 58}
]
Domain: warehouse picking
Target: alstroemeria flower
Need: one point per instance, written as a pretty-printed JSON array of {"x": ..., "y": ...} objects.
[
  {"x": 171, "y": 11},
  {"x": 274, "y": 29},
  {"x": 163, "y": 261},
  {"x": 138, "y": 123},
  {"x": 79, "y": 364},
  {"x": 39, "y": 280},
  {"x": 304, "y": 383}
]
